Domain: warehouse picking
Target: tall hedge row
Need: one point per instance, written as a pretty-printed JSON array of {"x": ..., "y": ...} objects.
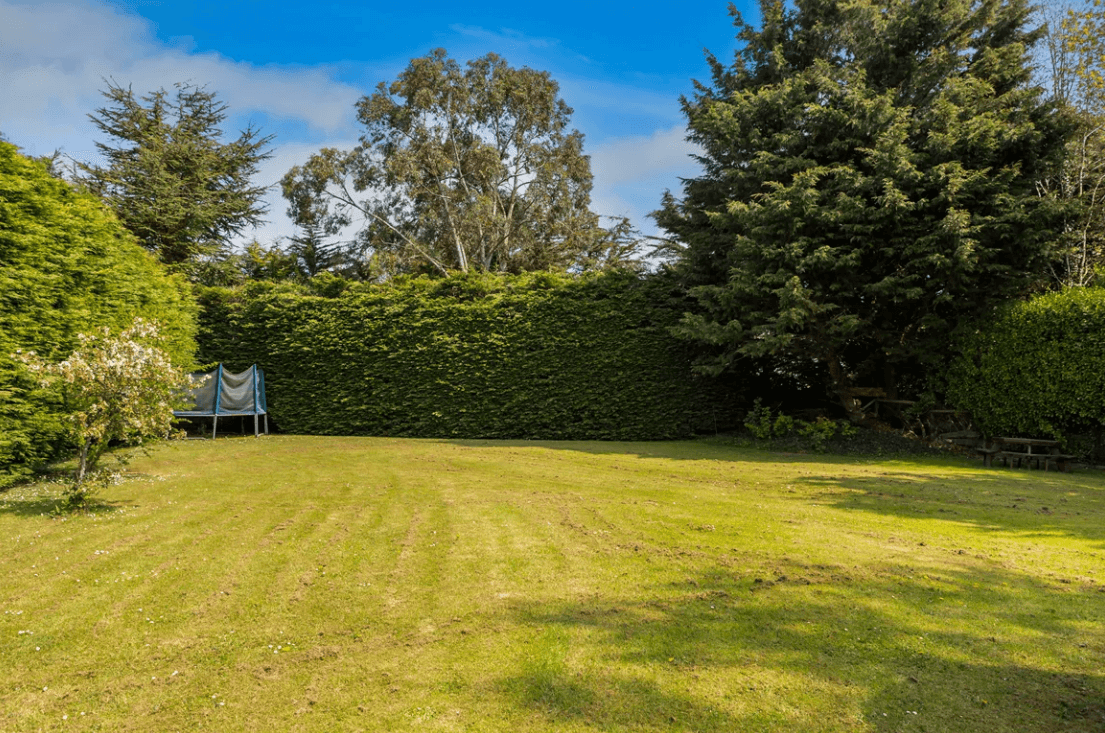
[
  {"x": 1037, "y": 368},
  {"x": 67, "y": 266},
  {"x": 481, "y": 356}
]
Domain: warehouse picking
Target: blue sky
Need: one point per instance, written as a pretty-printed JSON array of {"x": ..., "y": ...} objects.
[{"x": 295, "y": 70}]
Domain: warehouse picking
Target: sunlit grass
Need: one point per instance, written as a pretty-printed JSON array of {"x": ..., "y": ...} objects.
[{"x": 294, "y": 583}]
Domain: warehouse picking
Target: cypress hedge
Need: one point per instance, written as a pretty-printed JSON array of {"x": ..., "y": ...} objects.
[
  {"x": 1037, "y": 368},
  {"x": 541, "y": 356},
  {"x": 67, "y": 266}
]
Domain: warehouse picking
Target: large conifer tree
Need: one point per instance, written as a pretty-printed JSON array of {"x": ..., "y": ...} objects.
[
  {"x": 170, "y": 177},
  {"x": 868, "y": 182}
]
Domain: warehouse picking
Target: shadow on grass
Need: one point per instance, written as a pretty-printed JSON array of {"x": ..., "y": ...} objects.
[
  {"x": 813, "y": 649},
  {"x": 717, "y": 449},
  {"x": 36, "y": 500},
  {"x": 1031, "y": 504},
  {"x": 1028, "y": 502},
  {"x": 610, "y": 701}
]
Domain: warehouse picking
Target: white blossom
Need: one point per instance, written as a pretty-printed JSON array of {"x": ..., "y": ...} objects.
[{"x": 118, "y": 388}]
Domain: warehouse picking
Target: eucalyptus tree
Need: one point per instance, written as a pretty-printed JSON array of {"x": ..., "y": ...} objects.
[{"x": 458, "y": 168}]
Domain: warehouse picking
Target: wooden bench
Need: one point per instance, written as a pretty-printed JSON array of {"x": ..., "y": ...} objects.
[{"x": 1007, "y": 449}]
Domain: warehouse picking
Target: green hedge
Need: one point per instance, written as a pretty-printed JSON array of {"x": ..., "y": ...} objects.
[
  {"x": 1038, "y": 368},
  {"x": 66, "y": 266},
  {"x": 538, "y": 356}
]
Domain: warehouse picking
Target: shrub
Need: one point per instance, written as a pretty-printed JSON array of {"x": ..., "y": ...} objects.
[
  {"x": 761, "y": 424},
  {"x": 116, "y": 388},
  {"x": 541, "y": 355},
  {"x": 66, "y": 266},
  {"x": 815, "y": 435},
  {"x": 1037, "y": 368}
]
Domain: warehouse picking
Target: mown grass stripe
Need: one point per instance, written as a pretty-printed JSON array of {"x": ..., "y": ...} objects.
[{"x": 568, "y": 587}]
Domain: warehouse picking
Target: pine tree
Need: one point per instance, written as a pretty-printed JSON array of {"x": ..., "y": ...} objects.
[
  {"x": 170, "y": 178},
  {"x": 312, "y": 253},
  {"x": 868, "y": 184}
]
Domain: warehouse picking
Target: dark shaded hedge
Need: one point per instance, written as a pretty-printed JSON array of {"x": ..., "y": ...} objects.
[
  {"x": 1038, "y": 368},
  {"x": 67, "y": 266},
  {"x": 540, "y": 356}
]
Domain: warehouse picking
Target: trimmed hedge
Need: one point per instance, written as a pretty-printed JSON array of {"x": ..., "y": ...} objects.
[
  {"x": 1038, "y": 368},
  {"x": 540, "y": 356},
  {"x": 66, "y": 266}
]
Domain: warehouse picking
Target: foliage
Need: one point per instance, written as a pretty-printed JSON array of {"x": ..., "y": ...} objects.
[
  {"x": 819, "y": 432},
  {"x": 469, "y": 169},
  {"x": 311, "y": 253},
  {"x": 869, "y": 183},
  {"x": 255, "y": 261},
  {"x": 1035, "y": 367},
  {"x": 473, "y": 356},
  {"x": 66, "y": 265},
  {"x": 173, "y": 182},
  {"x": 761, "y": 424},
  {"x": 115, "y": 388},
  {"x": 1083, "y": 40},
  {"x": 764, "y": 426},
  {"x": 259, "y": 262},
  {"x": 1076, "y": 76}
]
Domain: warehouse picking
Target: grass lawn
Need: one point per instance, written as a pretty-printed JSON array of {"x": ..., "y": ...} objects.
[{"x": 326, "y": 584}]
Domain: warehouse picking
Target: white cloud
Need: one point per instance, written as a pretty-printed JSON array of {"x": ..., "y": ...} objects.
[
  {"x": 643, "y": 156},
  {"x": 504, "y": 37},
  {"x": 54, "y": 58},
  {"x": 631, "y": 173}
]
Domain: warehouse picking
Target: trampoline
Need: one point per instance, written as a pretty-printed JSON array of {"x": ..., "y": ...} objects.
[{"x": 223, "y": 395}]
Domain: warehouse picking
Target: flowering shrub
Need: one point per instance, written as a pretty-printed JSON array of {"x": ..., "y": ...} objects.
[
  {"x": 116, "y": 389},
  {"x": 67, "y": 265}
]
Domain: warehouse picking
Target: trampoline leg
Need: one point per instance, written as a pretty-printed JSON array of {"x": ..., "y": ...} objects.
[
  {"x": 266, "y": 423},
  {"x": 255, "y": 430},
  {"x": 214, "y": 427}
]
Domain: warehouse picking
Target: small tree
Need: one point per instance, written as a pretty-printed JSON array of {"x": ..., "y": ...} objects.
[
  {"x": 117, "y": 388},
  {"x": 311, "y": 253}
]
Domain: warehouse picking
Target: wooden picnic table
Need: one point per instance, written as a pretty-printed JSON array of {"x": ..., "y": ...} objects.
[{"x": 1042, "y": 451}]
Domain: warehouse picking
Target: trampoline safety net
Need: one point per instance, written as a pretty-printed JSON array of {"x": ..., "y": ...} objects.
[{"x": 222, "y": 394}]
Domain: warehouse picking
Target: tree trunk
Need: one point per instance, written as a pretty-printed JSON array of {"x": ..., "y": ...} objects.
[
  {"x": 82, "y": 464},
  {"x": 889, "y": 380},
  {"x": 841, "y": 388}
]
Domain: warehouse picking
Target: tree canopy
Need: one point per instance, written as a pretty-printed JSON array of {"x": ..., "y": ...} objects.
[
  {"x": 869, "y": 182},
  {"x": 1074, "y": 69},
  {"x": 469, "y": 169},
  {"x": 169, "y": 176}
]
